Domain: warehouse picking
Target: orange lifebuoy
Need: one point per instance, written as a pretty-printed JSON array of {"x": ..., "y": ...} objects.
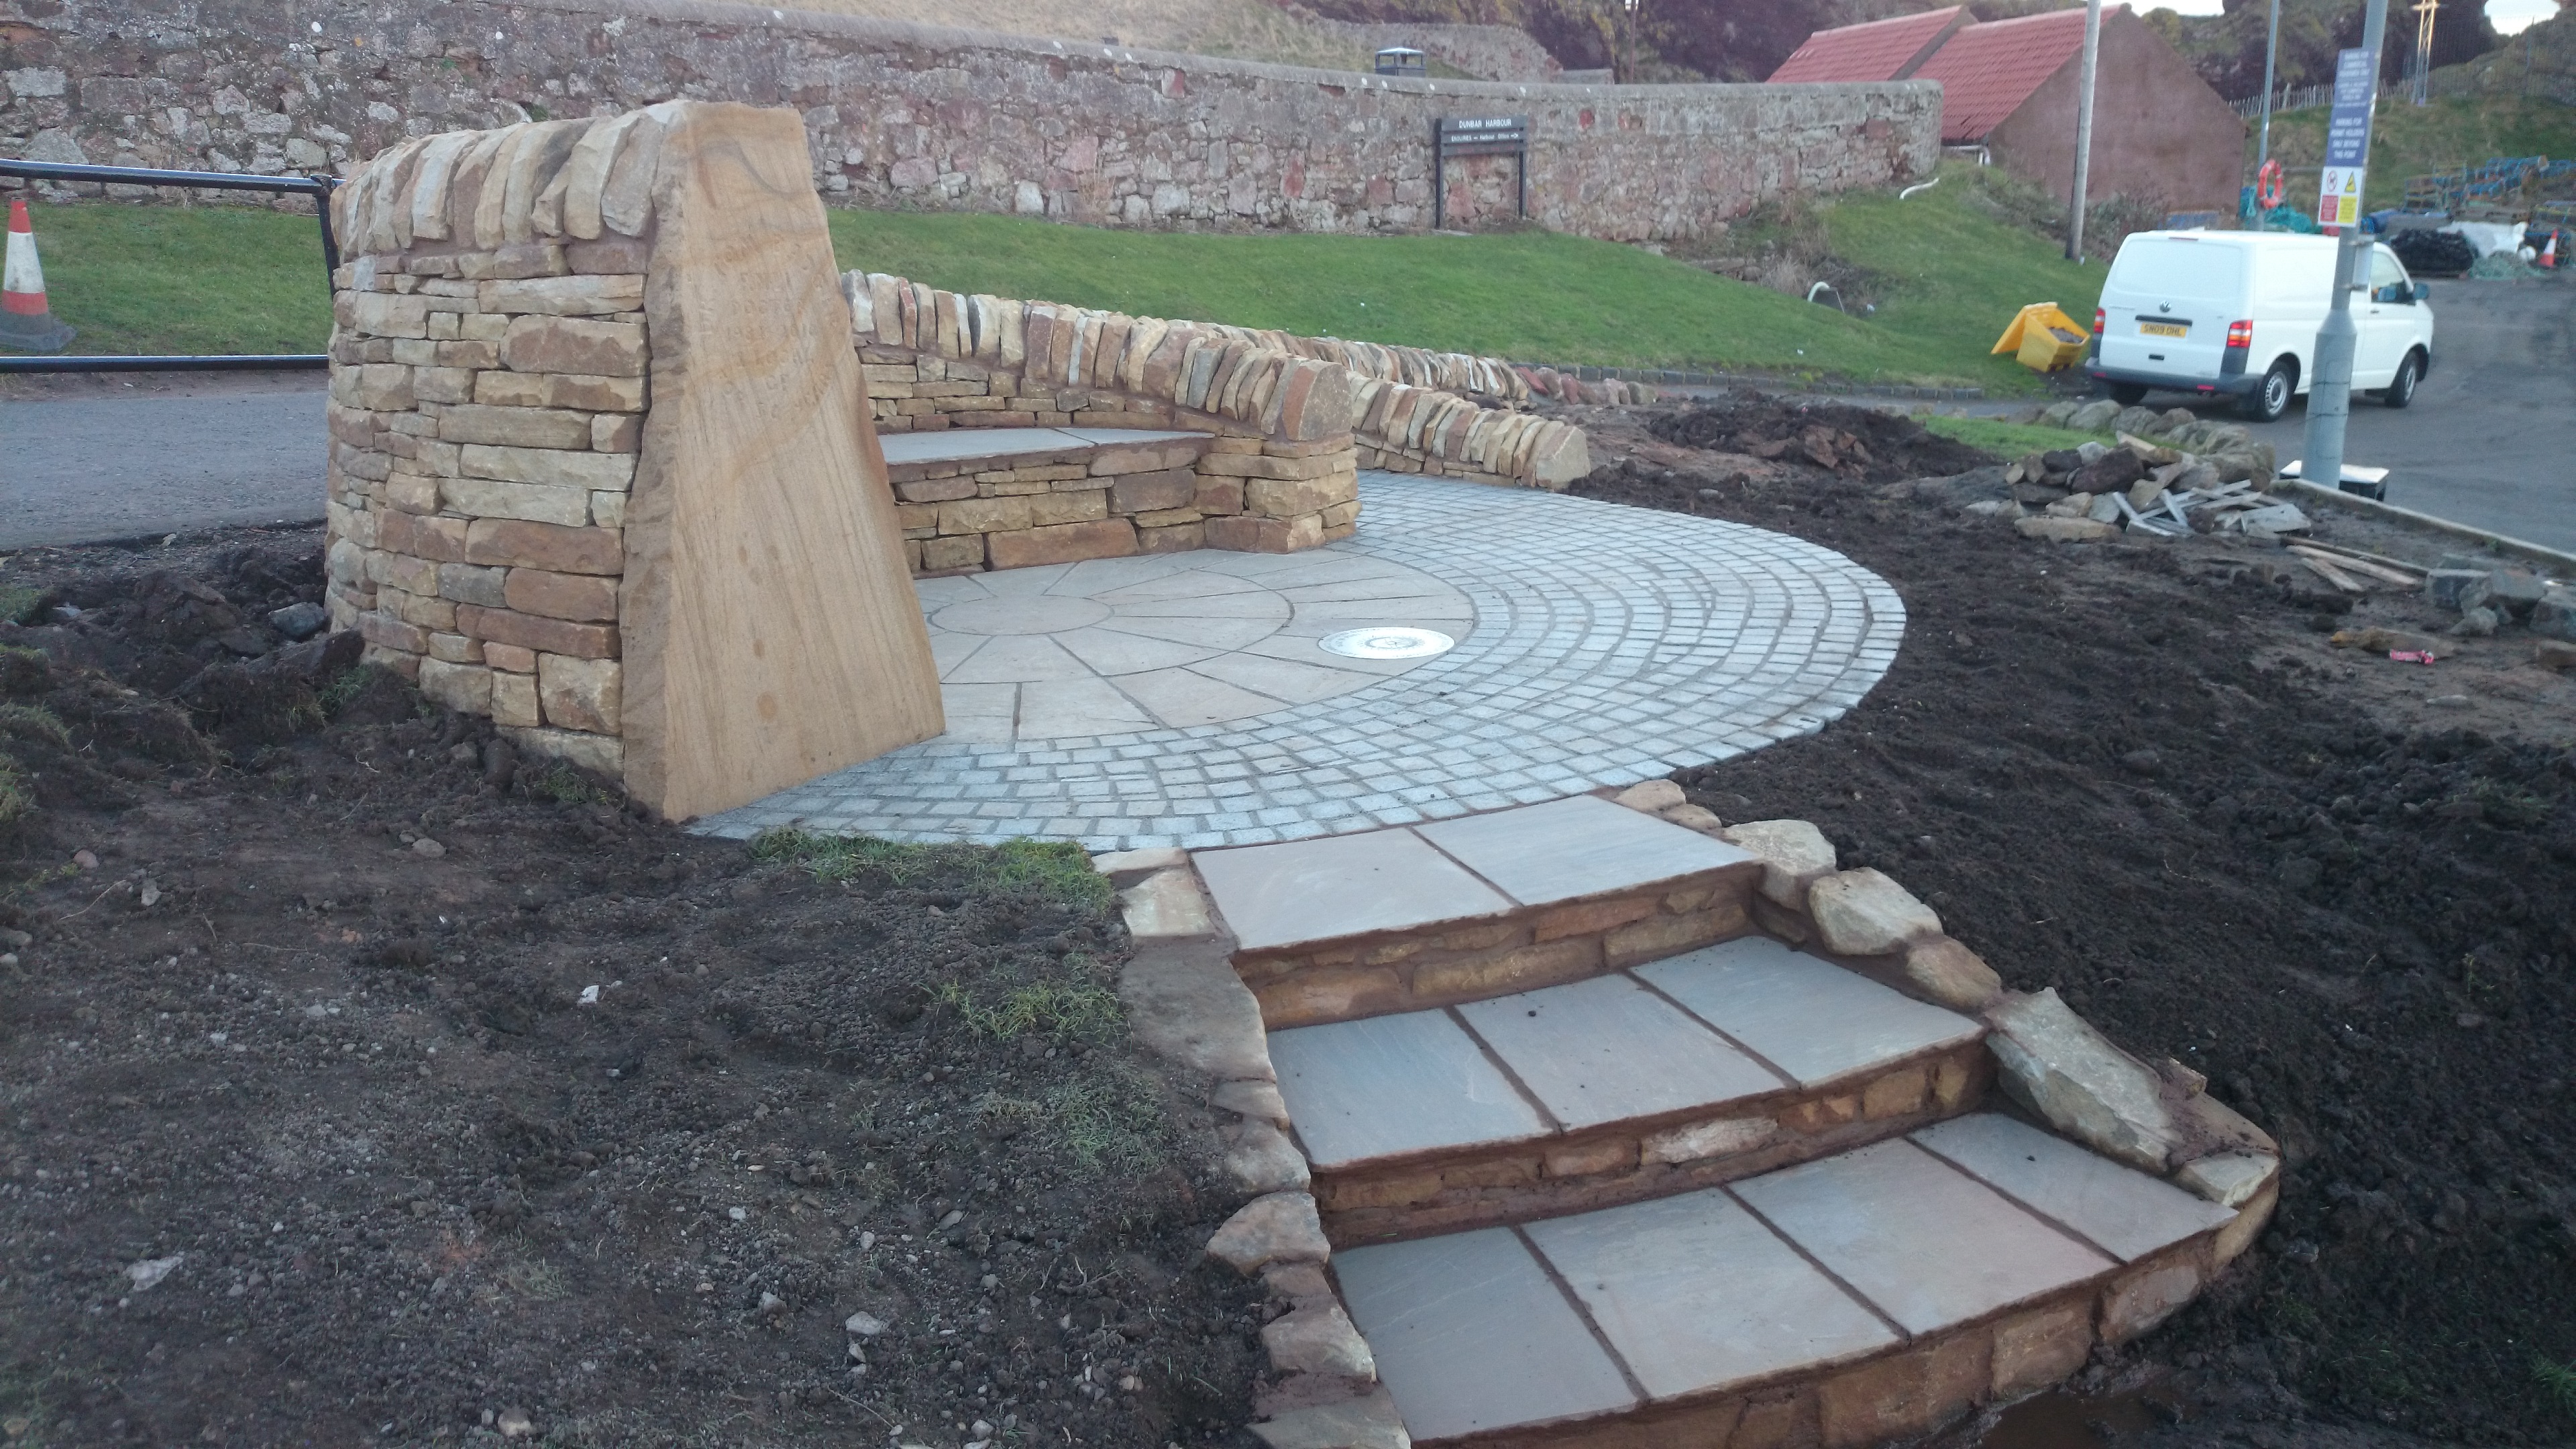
[{"x": 2267, "y": 185}]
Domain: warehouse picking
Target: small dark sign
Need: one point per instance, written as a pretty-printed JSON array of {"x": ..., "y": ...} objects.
[{"x": 1478, "y": 136}]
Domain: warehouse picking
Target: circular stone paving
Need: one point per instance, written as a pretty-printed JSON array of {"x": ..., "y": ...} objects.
[
  {"x": 1165, "y": 641},
  {"x": 1183, "y": 699}
]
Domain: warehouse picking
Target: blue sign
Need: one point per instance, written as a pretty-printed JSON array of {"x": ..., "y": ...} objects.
[{"x": 2356, "y": 86}]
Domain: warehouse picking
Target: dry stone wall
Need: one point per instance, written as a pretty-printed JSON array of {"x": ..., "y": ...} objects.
[
  {"x": 599, "y": 467},
  {"x": 913, "y": 116},
  {"x": 944, "y": 359}
]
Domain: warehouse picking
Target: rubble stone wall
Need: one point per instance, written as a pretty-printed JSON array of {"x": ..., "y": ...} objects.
[{"x": 913, "y": 116}]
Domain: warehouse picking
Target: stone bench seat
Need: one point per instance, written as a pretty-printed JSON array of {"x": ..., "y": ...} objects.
[
  {"x": 912, "y": 456},
  {"x": 976, "y": 499}
]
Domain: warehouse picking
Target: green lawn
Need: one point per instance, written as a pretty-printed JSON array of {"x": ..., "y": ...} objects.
[
  {"x": 168, "y": 279},
  {"x": 1954, "y": 267},
  {"x": 2410, "y": 140},
  {"x": 1530, "y": 295}
]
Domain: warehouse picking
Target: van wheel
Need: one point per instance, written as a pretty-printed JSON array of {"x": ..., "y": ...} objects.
[
  {"x": 2401, "y": 388},
  {"x": 2126, "y": 394},
  {"x": 2271, "y": 398}
]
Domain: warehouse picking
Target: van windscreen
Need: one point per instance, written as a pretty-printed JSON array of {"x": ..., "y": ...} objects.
[{"x": 2177, "y": 271}]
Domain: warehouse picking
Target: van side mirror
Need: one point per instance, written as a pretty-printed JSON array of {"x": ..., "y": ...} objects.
[{"x": 2423, "y": 291}]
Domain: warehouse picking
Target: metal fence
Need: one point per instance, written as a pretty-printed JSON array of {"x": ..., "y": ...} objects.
[
  {"x": 317, "y": 187},
  {"x": 2301, "y": 98}
]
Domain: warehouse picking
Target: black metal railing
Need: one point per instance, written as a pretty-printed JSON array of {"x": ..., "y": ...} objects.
[{"x": 317, "y": 187}]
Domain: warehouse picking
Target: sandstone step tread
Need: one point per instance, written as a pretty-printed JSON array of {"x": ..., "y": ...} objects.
[
  {"x": 1763, "y": 1282},
  {"x": 1813, "y": 1020},
  {"x": 1738, "y": 1021},
  {"x": 1277, "y": 897}
]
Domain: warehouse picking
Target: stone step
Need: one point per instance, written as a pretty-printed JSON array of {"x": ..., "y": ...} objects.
[
  {"x": 1874, "y": 1294},
  {"x": 1729, "y": 1060},
  {"x": 1398, "y": 920}
]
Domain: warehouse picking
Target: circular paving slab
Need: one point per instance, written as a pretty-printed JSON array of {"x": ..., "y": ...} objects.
[{"x": 1597, "y": 645}]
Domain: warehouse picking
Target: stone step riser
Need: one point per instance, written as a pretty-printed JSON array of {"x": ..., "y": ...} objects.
[
  {"x": 1449, "y": 962},
  {"x": 1634, "y": 1160}
]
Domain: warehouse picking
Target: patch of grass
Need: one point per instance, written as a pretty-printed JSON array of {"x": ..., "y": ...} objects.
[
  {"x": 18, "y": 606},
  {"x": 1058, "y": 870},
  {"x": 184, "y": 279},
  {"x": 16, "y": 801},
  {"x": 565, "y": 785},
  {"x": 1108, "y": 1121},
  {"x": 2414, "y": 140},
  {"x": 34, "y": 722},
  {"x": 2010, "y": 440},
  {"x": 2557, "y": 1381},
  {"x": 1075, "y": 1009},
  {"x": 1957, "y": 275},
  {"x": 348, "y": 684}
]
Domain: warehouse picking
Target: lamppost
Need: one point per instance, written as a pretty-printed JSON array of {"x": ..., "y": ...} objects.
[
  {"x": 1630, "y": 71},
  {"x": 2084, "y": 127}
]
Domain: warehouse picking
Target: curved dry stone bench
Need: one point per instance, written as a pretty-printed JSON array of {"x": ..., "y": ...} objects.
[
  {"x": 948, "y": 360},
  {"x": 1602, "y": 1122}
]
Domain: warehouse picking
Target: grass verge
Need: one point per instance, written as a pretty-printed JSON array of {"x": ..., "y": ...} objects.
[
  {"x": 184, "y": 279},
  {"x": 2010, "y": 440},
  {"x": 1057, "y": 870}
]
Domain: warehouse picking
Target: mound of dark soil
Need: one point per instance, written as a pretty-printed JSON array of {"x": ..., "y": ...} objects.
[
  {"x": 366, "y": 1084},
  {"x": 1852, "y": 442},
  {"x": 2135, "y": 774}
]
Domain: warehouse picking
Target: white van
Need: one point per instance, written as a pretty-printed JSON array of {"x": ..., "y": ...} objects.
[{"x": 2237, "y": 313}]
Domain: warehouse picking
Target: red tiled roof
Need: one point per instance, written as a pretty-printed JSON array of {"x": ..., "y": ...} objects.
[
  {"x": 1878, "y": 50},
  {"x": 1987, "y": 71}
]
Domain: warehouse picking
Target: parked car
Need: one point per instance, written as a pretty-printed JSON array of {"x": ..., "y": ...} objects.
[{"x": 2237, "y": 313}]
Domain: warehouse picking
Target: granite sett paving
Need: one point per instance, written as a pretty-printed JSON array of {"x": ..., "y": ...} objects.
[{"x": 1597, "y": 645}]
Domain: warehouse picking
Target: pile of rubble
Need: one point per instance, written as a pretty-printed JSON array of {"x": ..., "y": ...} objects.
[
  {"x": 2490, "y": 599},
  {"x": 2096, "y": 491}
]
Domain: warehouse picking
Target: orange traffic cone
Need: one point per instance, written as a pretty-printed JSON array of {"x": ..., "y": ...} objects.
[
  {"x": 2549, "y": 251},
  {"x": 25, "y": 322}
]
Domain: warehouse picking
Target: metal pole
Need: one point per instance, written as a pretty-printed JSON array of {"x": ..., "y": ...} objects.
[
  {"x": 2084, "y": 126},
  {"x": 2330, "y": 391},
  {"x": 2271, "y": 55},
  {"x": 1439, "y": 178}
]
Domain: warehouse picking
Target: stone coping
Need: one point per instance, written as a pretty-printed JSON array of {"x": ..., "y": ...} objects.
[{"x": 1610, "y": 645}]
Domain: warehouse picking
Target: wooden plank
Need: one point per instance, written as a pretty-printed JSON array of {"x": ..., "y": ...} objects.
[
  {"x": 2379, "y": 565},
  {"x": 771, "y": 632},
  {"x": 2331, "y": 574}
]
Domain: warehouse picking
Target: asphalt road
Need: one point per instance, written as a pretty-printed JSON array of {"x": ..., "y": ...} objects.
[
  {"x": 80, "y": 469},
  {"x": 2491, "y": 438}
]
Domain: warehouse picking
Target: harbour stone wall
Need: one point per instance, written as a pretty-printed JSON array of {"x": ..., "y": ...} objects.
[{"x": 903, "y": 115}]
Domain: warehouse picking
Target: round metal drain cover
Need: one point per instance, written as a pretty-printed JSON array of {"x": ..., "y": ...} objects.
[{"x": 1388, "y": 643}]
